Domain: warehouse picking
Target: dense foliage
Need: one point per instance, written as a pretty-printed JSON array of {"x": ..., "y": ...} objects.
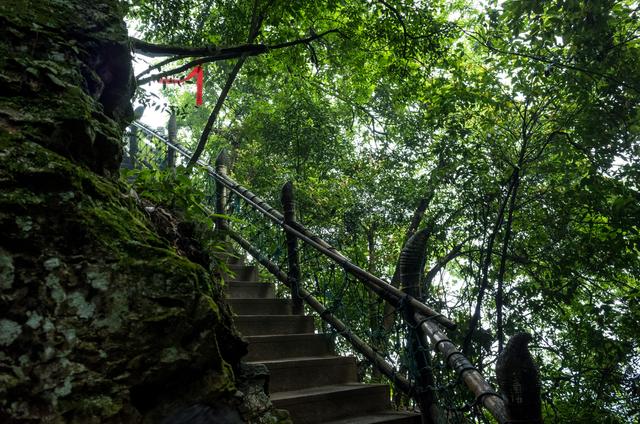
[{"x": 515, "y": 123}]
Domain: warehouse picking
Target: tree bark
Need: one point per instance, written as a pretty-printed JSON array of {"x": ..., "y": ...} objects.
[
  {"x": 416, "y": 219},
  {"x": 488, "y": 254}
]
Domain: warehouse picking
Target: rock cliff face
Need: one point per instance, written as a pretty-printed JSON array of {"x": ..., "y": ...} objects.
[{"x": 101, "y": 319}]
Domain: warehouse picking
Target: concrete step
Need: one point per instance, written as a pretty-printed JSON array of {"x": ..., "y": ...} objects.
[
  {"x": 306, "y": 378},
  {"x": 381, "y": 418},
  {"x": 260, "y": 306},
  {"x": 242, "y": 273},
  {"x": 229, "y": 258},
  {"x": 260, "y": 325},
  {"x": 325, "y": 403},
  {"x": 264, "y": 348},
  {"x": 301, "y": 373},
  {"x": 250, "y": 290}
]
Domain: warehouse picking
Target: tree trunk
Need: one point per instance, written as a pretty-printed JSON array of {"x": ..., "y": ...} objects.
[
  {"x": 483, "y": 283},
  {"x": 503, "y": 263},
  {"x": 254, "y": 30}
]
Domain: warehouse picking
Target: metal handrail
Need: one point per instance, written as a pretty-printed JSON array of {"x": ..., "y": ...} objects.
[
  {"x": 361, "y": 346},
  {"x": 382, "y": 288}
]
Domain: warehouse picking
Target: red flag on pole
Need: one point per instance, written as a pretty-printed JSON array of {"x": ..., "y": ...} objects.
[{"x": 197, "y": 72}]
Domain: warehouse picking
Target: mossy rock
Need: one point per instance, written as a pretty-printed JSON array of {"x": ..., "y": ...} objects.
[{"x": 102, "y": 319}]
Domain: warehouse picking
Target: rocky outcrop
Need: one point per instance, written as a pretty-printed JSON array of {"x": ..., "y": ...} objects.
[
  {"x": 102, "y": 319},
  {"x": 66, "y": 79}
]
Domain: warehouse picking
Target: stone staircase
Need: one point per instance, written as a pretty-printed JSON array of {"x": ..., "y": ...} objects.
[{"x": 307, "y": 378}]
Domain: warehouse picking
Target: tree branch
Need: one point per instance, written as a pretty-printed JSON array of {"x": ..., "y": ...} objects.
[
  {"x": 157, "y": 66},
  {"x": 442, "y": 262},
  {"x": 150, "y": 49},
  {"x": 210, "y": 53},
  {"x": 191, "y": 64},
  {"x": 254, "y": 29},
  {"x": 306, "y": 40},
  {"x": 484, "y": 269},
  {"x": 401, "y": 20}
]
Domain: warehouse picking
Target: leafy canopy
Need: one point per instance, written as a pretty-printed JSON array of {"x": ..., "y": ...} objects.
[{"x": 517, "y": 123}]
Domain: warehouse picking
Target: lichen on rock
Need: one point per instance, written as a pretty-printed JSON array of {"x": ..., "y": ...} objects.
[{"x": 9, "y": 331}]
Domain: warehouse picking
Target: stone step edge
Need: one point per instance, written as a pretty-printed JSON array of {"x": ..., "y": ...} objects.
[
  {"x": 327, "y": 392},
  {"x": 305, "y": 360},
  {"x": 380, "y": 418}
]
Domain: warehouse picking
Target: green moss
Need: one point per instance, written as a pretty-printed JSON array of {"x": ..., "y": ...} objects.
[
  {"x": 226, "y": 379},
  {"x": 111, "y": 218},
  {"x": 7, "y": 382},
  {"x": 221, "y": 382},
  {"x": 164, "y": 314},
  {"x": 94, "y": 406},
  {"x": 213, "y": 306},
  {"x": 111, "y": 227},
  {"x": 21, "y": 197}
]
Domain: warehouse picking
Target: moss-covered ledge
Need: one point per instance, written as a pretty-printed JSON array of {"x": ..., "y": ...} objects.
[
  {"x": 102, "y": 321},
  {"x": 66, "y": 79}
]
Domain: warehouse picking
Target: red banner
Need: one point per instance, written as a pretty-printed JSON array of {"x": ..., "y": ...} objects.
[{"x": 197, "y": 72}]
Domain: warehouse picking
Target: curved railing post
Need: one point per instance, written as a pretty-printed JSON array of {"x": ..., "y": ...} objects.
[
  {"x": 411, "y": 264},
  {"x": 221, "y": 192},
  {"x": 288, "y": 206}
]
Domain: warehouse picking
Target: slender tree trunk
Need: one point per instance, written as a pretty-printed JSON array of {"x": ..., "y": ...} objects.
[
  {"x": 256, "y": 23},
  {"x": 510, "y": 198},
  {"x": 488, "y": 254},
  {"x": 503, "y": 261},
  {"x": 517, "y": 173},
  {"x": 204, "y": 137}
]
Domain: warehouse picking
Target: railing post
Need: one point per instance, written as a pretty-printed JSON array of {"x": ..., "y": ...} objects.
[
  {"x": 133, "y": 146},
  {"x": 172, "y": 136},
  {"x": 288, "y": 206},
  {"x": 221, "y": 192}
]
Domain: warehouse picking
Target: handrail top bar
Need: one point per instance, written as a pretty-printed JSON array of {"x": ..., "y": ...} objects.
[{"x": 302, "y": 233}]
